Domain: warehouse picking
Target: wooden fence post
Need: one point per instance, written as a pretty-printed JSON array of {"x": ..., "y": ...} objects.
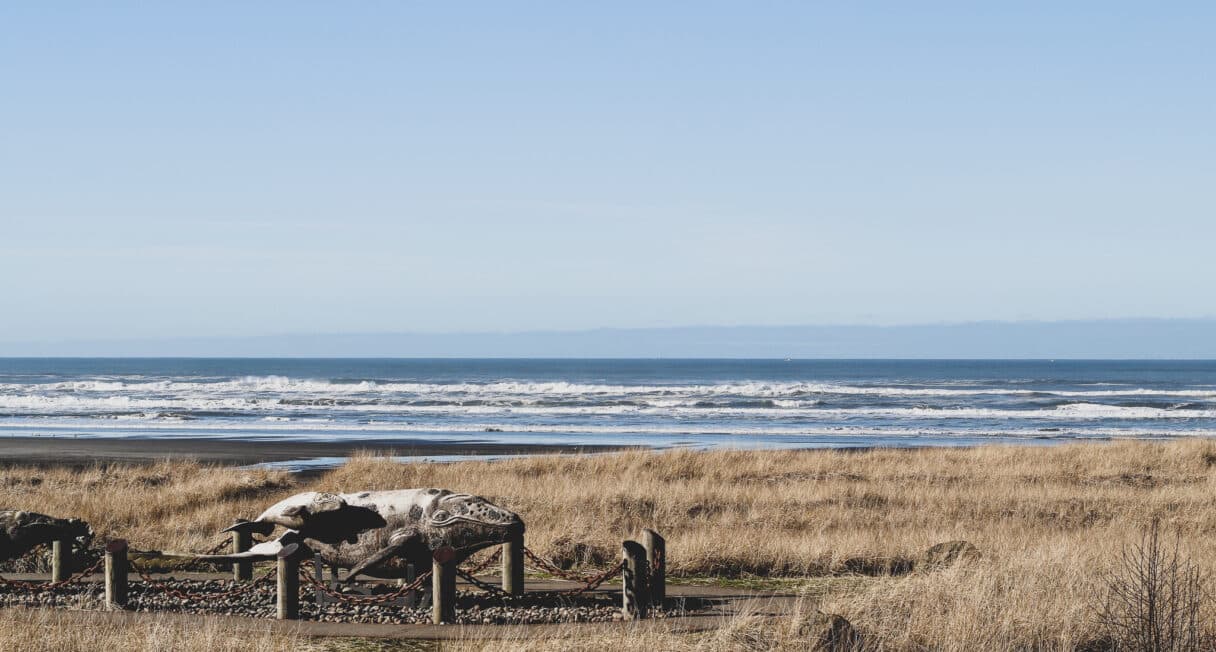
[
  {"x": 241, "y": 541},
  {"x": 411, "y": 597},
  {"x": 443, "y": 586},
  {"x": 288, "y": 590},
  {"x": 318, "y": 574},
  {"x": 116, "y": 573},
  {"x": 513, "y": 565},
  {"x": 635, "y": 600},
  {"x": 656, "y": 563},
  {"x": 61, "y": 560}
]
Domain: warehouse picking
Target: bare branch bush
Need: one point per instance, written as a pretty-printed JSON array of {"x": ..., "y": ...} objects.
[{"x": 1156, "y": 598}]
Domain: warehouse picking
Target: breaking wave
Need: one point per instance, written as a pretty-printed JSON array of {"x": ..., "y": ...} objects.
[
  {"x": 292, "y": 386},
  {"x": 895, "y": 403},
  {"x": 51, "y": 405}
]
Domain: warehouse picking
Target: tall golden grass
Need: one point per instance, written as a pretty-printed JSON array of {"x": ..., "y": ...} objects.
[
  {"x": 45, "y": 630},
  {"x": 1049, "y": 520}
]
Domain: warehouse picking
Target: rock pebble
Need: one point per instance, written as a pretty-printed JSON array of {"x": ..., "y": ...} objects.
[
  {"x": 207, "y": 597},
  {"x": 829, "y": 633}
]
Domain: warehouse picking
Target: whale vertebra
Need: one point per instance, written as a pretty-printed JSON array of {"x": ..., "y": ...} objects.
[
  {"x": 22, "y": 531},
  {"x": 377, "y": 532}
]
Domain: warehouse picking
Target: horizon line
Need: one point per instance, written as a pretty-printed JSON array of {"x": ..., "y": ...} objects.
[{"x": 596, "y": 329}]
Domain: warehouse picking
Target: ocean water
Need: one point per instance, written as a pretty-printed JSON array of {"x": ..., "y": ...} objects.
[{"x": 660, "y": 403}]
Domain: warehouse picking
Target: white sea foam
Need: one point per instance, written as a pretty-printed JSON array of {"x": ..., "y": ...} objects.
[
  {"x": 75, "y": 404},
  {"x": 654, "y": 409},
  {"x": 329, "y": 431},
  {"x": 280, "y": 385}
]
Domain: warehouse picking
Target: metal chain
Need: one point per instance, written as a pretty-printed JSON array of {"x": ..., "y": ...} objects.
[
  {"x": 485, "y": 563},
  {"x": 484, "y": 586},
  {"x": 365, "y": 599},
  {"x": 590, "y": 582},
  {"x": 595, "y": 582},
  {"x": 21, "y": 583},
  {"x": 191, "y": 595},
  {"x": 97, "y": 564},
  {"x": 547, "y": 566},
  {"x": 53, "y": 585},
  {"x": 38, "y": 549},
  {"x": 413, "y": 586},
  {"x": 187, "y": 563}
]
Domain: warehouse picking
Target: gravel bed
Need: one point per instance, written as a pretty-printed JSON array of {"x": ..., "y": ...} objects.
[{"x": 471, "y": 607}]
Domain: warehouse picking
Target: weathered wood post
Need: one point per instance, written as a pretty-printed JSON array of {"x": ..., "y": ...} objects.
[
  {"x": 411, "y": 597},
  {"x": 288, "y": 597},
  {"x": 318, "y": 574},
  {"x": 635, "y": 601},
  {"x": 656, "y": 564},
  {"x": 241, "y": 541},
  {"x": 443, "y": 586},
  {"x": 513, "y": 565},
  {"x": 61, "y": 560},
  {"x": 116, "y": 573}
]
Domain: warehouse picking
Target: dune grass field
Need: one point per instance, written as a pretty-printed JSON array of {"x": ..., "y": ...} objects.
[{"x": 840, "y": 529}]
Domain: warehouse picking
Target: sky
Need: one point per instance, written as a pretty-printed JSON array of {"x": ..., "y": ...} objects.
[{"x": 235, "y": 168}]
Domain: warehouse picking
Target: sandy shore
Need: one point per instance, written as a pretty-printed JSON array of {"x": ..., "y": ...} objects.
[{"x": 65, "y": 451}]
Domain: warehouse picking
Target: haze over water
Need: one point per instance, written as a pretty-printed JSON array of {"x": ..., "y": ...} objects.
[{"x": 661, "y": 403}]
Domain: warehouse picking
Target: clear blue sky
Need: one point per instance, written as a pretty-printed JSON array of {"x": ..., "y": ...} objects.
[{"x": 248, "y": 168}]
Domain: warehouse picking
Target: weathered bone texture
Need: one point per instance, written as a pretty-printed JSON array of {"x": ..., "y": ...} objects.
[
  {"x": 379, "y": 532},
  {"x": 21, "y": 531}
]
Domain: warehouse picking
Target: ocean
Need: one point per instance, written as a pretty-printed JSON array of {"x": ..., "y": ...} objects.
[{"x": 658, "y": 403}]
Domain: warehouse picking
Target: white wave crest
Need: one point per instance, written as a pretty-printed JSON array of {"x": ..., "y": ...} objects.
[
  {"x": 489, "y": 429},
  {"x": 76, "y": 404},
  {"x": 281, "y": 385}
]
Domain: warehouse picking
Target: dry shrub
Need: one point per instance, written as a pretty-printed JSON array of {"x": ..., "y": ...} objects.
[{"x": 1156, "y": 598}]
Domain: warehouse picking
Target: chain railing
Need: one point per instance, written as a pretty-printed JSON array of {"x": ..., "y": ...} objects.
[
  {"x": 189, "y": 563},
  {"x": 181, "y": 594},
  {"x": 594, "y": 582},
  {"x": 22, "y": 584},
  {"x": 145, "y": 574},
  {"x": 485, "y": 563},
  {"x": 310, "y": 578},
  {"x": 484, "y": 586},
  {"x": 30, "y": 557},
  {"x": 590, "y": 582},
  {"x": 546, "y": 566}
]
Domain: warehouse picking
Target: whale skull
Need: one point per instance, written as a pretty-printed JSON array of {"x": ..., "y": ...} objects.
[{"x": 374, "y": 531}]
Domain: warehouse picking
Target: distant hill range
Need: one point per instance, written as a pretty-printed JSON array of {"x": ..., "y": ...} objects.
[{"x": 1119, "y": 338}]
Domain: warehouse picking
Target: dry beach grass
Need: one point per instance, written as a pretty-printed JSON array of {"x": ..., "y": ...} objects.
[
  {"x": 49, "y": 630},
  {"x": 1049, "y": 521}
]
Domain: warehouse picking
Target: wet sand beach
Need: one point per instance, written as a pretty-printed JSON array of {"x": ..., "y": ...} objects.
[{"x": 72, "y": 451}]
